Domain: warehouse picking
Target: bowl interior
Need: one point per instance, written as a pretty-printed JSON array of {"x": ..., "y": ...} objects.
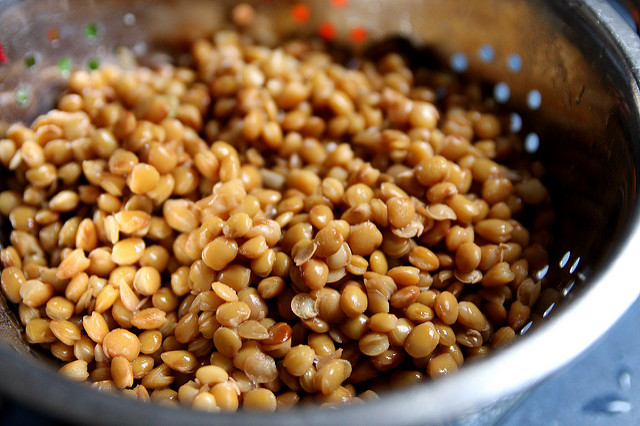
[{"x": 563, "y": 68}]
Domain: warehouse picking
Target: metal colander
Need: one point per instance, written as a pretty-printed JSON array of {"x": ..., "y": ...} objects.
[{"x": 567, "y": 69}]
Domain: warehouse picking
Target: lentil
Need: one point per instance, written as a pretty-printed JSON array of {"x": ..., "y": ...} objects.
[
  {"x": 121, "y": 372},
  {"x": 259, "y": 399},
  {"x": 159, "y": 252},
  {"x": 75, "y": 370},
  {"x": 121, "y": 342},
  {"x": 95, "y": 326}
]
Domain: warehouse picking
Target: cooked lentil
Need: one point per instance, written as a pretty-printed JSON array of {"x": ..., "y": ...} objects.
[{"x": 267, "y": 227}]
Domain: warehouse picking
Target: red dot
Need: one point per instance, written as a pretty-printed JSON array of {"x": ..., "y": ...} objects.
[
  {"x": 3, "y": 56},
  {"x": 301, "y": 12},
  {"x": 339, "y": 4},
  {"x": 358, "y": 34},
  {"x": 327, "y": 31},
  {"x": 53, "y": 34}
]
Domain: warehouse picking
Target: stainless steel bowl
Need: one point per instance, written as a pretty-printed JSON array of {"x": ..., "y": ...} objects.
[{"x": 569, "y": 68}]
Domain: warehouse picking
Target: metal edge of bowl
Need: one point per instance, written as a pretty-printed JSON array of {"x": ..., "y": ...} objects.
[{"x": 521, "y": 365}]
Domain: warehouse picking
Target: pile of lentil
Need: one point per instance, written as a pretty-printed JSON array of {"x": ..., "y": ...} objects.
[{"x": 268, "y": 227}]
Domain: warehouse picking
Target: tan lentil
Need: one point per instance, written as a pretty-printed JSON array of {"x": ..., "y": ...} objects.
[
  {"x": 121, "y": 342},
  {"x": 121, "y": 372}
]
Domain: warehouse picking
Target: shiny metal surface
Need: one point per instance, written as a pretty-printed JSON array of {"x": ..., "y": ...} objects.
[{"x": 581, "y": 59}]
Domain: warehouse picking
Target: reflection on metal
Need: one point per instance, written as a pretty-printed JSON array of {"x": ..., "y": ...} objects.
[
  {"x": 514, "y": 63},
  {"x": 542, "y": 272},
  {"x": 515, "y": 122},
  {"x": 574, "y": 266},
  {"x": 486, "y": 53},
  {"x": 532, "y": 143},
  {"x": 534, "y": 99},
  {"x": 501, "y": 92},
  {"x": 526, "y": 327},
  {"x": 129, "y": 19},
  {"x": 548, "y": 310},
  {"x": 459, "y": 62},
  {"x": 568, "y": 287}
]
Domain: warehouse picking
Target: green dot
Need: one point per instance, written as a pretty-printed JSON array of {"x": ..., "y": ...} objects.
[
  {"x": 22, "y": 96},
  {"x": 93, "y": 63},
  {"x": 64, "y": 64},
  {"x": 91, "y": 30},
  {"x": 29, "y": 60}
]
